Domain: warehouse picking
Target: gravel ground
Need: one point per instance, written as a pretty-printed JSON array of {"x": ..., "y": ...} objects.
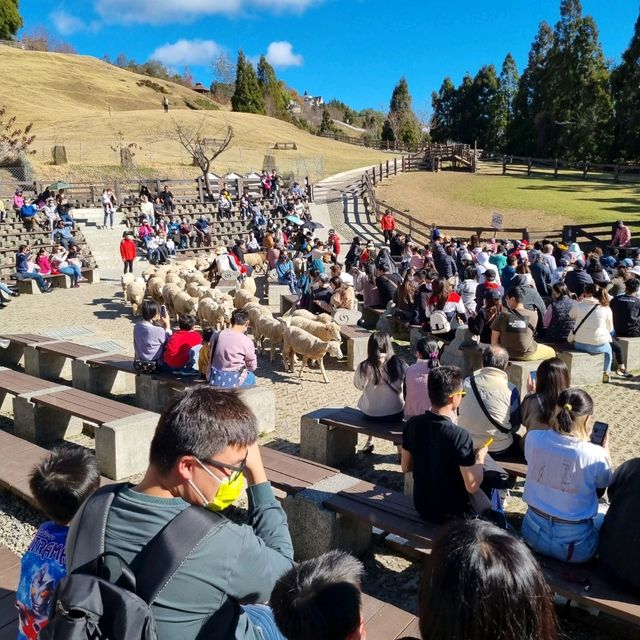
[{"x": 390, "y": 576}]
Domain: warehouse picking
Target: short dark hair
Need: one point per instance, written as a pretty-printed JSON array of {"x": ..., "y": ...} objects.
[
  {"x": 201, "y": 423},
  {"x": 319, "y": 598},
  {"x": 63, "y": 480},
  {"x": 632, "y": 285},
  {"x": 149, "y": 309},
  {"x": 517, "y": 293},
  {"x": 239, "y": 317},
  {"x": 495, "y": 357},
  {"x": 442, "y": 382},
  {"x": 336, "y": 282},
  {"x": 186, "y": 322},
  {"x": 206, "y": 335},
  {"x": 484, "y": 583}
]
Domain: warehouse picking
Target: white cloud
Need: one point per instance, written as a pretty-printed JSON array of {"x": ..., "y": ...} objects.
[
  {"x": 67, "y": 24},
  {"x": 280, "y": 54},
  {"x": 167, "y": 11},
  {"x": 187, "y": 52}
]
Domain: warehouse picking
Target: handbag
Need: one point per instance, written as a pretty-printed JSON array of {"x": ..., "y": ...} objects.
[
  {"x": 571, "y": 338},
  {"x": 142, "y": 366}
]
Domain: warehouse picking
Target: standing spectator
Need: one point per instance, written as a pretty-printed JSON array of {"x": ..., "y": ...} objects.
[
  {"x": 107, "y": 208},
  {"x": 233, "y": 354},
  {"x": 557, "y": 321},
  {"x": 23, "y": 257},
  {"x": 444, "y": 263},
  {"x": 565, "y": 472},
  {"x": 446, "y": 470},
  {"x": 621, "y": 236},
  {"x": 333, "y": 241},
  {"x": 128, "y": 251},
  {"x": 167, "y": 200},
  {"x": 416, "y": 401},
  {"x": 594, "y": 324},
  {"x": 499, "y": 260},
  {"x": 165, "y": 104},
  {"x": 490, "y": 407},
  {"x": 181, "y": 351},
  {"x": 541, "y": 274},
  {"x": 482, "y": 583},
  {"x": 547, "y": 256},
  {"x": 388, "y": 225},
  {"x": 150, "y": 336}
]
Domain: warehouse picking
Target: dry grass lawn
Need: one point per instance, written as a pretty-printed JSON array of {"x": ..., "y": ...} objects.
[{"x": 68, "y": 98}]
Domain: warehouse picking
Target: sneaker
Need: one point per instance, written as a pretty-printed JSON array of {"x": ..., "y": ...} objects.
[
  {"x": 605, "y": 377},
  {"x": 49, "y": 290},
  {"x": 368, "y": 449}
]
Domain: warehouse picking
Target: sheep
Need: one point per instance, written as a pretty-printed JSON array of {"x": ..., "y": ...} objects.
[
  {"x": 298, "y": 341},
  {"x": 256, "y": 260},
  {"x": 154, "y": 288},
  {"x": 325, "y": 318},
  {"x": 201, "y": 263},
  {"x": 149, "y": 272},
  {"x": 272, "y": 329},
  {"x": 135, "y": 294},
  {"x": 207, "y": 312},
  {"x": 168, "y": 292},
  {"x": 193, "y": 289},
  {"x": 126, "y": 280},
  {"x": 184, "y": 303},
  {"x": 256, "y": 311},
  {"x": 318, "y": 329},
  {"x": 242, "y": 298},
  {"x": 248, "y": 284},
  {"x": 173, "y": 277}
]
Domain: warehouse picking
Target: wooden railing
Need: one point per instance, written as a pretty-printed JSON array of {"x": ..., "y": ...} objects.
[
  {"x": 383, "y": 145},
  {"x": 598, "y": 234}
]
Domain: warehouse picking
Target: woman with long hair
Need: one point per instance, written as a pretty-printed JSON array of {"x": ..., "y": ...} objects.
[
  {"x": 557, "y": 320},
  {"x": 416, "y": 395},
  {"x": 480, "y": 324},
  {"x": 381, "y": 379},
  {"x": 447, "y": 301},
  {"x": 404, "y": 295},
  {"x": 370, "y": 294},
  {"x": 482, "y": 583},
  {"x": 566, "y": 472}
]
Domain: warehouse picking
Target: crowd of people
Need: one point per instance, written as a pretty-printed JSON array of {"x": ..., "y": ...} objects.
[{"x": 49, "y": 211}]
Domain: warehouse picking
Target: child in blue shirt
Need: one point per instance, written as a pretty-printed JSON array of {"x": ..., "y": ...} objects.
[{"x": 60, "y": 484}]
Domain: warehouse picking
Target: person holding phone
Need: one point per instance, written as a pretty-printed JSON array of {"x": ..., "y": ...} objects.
[
  {"x": 567, "y": 472},
  {"x": 150, "y": 337}
]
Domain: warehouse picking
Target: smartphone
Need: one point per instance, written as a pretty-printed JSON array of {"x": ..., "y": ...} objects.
[
  {"x": 599, "y": 432},
  {"x": 163, "y": 311},
  {"x": 534, "y": 376}
]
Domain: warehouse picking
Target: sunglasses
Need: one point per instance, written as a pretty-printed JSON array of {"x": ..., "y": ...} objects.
[
  {"x": 223, "y": 466},
  {"x": 458, "y": 393}
]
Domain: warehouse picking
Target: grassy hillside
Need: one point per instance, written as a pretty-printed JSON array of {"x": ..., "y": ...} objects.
[{"x": 90, "y": 106}]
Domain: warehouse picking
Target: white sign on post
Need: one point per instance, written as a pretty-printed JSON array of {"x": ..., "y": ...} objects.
[{"x": 496, "y": 221}]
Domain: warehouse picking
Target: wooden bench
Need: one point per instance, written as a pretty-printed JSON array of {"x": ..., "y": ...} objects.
[
  {"x": 355, "y": 339},
  {"x": 53, "y": 359},
  {"x": 286, "y": 146},
  {"x": 384, "y": 621},
  {"x": 11, "y": 355},
  {"x": 14, "y": 383}
]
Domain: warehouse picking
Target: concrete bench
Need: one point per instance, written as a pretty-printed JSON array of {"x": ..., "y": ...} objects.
[
  {"x": 274, "y": 293},
  {"x": 584, "y": 368},
  {"x": 630, "y": 353},
  {"x": 13, "y": 353},
  {"x": 54, "y": 359},
  {"x": 14, "y": 383},
  {"x": 288, "y": 301},
  {"x": 30, "y": 286},
  {"x": 518, "y": 373},
  {"x": 355, "y": 340}
]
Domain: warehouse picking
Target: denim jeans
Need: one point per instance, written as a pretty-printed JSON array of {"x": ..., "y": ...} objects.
[
  {"x": 262, "y": 618},
  {"x": 566, "y": 542},
  {"x": 600, "y": 348},
  {"x": 108, "y": 218},
  {"x": 69, "y": 271},
  {"x": 42, "y": 285}
]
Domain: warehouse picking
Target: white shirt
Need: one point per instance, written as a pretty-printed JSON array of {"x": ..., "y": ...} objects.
[{"x": 563, "y": 474}]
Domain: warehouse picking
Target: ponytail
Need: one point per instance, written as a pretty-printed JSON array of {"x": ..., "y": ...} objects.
[
  {"x": 571, "y": 405},
  {"x": 428, "y": 350}
]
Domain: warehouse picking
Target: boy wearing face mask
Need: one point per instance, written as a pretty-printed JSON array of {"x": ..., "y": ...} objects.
[{"x": 203, "y": 450}]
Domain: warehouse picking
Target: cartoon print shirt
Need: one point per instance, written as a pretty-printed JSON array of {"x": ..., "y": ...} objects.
[{"x": 43, "y": 566}]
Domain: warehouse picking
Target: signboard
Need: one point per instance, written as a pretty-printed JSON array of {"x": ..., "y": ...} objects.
[{"x": 496, "y": 221}]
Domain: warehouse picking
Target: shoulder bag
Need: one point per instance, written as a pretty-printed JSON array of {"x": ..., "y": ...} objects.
[{"x": 571, "y": 338}]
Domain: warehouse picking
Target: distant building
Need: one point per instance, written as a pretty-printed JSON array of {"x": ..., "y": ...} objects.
[
  {"x": 312, "y": 101},
  {"x": 294, "y": 107},
  {"x": 200, "y": 88}
]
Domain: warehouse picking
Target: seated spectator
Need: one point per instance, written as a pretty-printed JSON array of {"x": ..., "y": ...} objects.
[
  {"x": 158, "y": 209},
  {"x": 167, "y": 199},
  {"x": 577, "y": 279},
  {"x": 204, "y": 357},
  {"x": 594, "y": 324},
  {"x": 490, "y": 284},
  {"x": 403, "y": 296},
  {"x": 60, "y": 263},
  {"x": 64, "y": 209},
  {"x": 480, "y": 324},
  {"x": 565, "y": 473},
  {"x": 622, "y": 235},
  {"x": 384, "y": 259},
  {"x": 233, "y": 355},
  {"x": 367, "y": 254},
  {"x": 482, "y": 583},
  {"x": 145, "y": 232},
  {"x": 202, "y": 230},
  {"x": 203, "y": 449},
  {"x": 446, "y": 469},
  {"x": 352, "y": 259},
  {"x": 416, "y": 394},
  {"x": 150, "y": 337},
  {"x": 3, "y": 211},
  {"x": 499, "y": 260},
  {"x": 468, "y": 289},
  {"x": 23, "y": 272},
  {"x": 18, "y": 201},
  {"x": 187, "y": 234},
  {"x": 381, "y": 379},
  {"x": 370, "y": 294},
  {"x": 514, "y": 330},
  {"x": 321, "y": 293},
  {"x": 597, "y": 272},
  {"x": 541, "y": 274},
  {"x": 62, "y": 235},
  {"x": 146, "y": 210},
  {"x": 321, "y": 598},
  {"x": 253, "y": 246},
  {"x": 181, "y": 350},
  {"x": 444, "y": 301},
  {"x": 539, "y": 407},
  {"x": 50, "y": 213},
  {"x": 490, "y": 407},
  {"x": 531, "y": 300},
  {"x": 557, "y": 321},
  {"x": 424, "y": 285},
  {"x": 618, "y": 546},
  {"x": 60, "y": 483},
  {"x": 43, "y": 262},
  {"x": 173, "y": 229},
  {"x": 343, "y": 295},
  {"x": 386, "y": 283},
  {"x": 286, "y": 271},
  {"x": 626, "y": 310},
  {"x": 6, "y": 294}
]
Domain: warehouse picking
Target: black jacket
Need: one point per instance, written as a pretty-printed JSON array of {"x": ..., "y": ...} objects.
[{"x": 626, "y": 316}]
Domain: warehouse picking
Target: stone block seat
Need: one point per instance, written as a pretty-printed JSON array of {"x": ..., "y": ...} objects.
[
  {"x": 630, "y": 353},
  {"x": 354, "y": 341}
]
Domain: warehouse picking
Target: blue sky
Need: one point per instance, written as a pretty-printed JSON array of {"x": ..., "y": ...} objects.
[{"x": 354, "y": 50}]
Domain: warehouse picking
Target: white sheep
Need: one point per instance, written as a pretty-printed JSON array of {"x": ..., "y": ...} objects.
[
  {"x": 318, "y": 329},
  {"x": 207, "y": 312},
  {"x": 248, "y": 284},
  {"x": 242, "y": 298},
  {"x": 168, "y": 292},
  {"x": 308, "y": 347},
  {"x": 154, "y": 288},
  {"x": 256, "y": 260},
  {"x": 271, "y": 329},
  {"x": 134, "y": 294},
  {"x": 201, "y": 263},
  {"x": 126, "y": 280},
  {"x": 183, "y": 303},
  {"x": 325, "y": 318},
  {"x": 149, "y": 272}
]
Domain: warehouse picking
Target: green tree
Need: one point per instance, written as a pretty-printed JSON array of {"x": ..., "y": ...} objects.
[
  {"x": 247, "y": 96},
  {"x": 481, "y": 109},
  {"x": 10, "y": 20},
  {"x": 401, "y": 123},
  {"x": 508, "y": 88},
  {"x": 326, "y": 125},
  {"x": 625, "y": 81},
  {"x": 444, "y": 105},
  {"x": 276, "y": 98}
]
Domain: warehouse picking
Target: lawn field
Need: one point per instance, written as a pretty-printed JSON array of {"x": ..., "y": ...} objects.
[{"x": 537, "y": 202}]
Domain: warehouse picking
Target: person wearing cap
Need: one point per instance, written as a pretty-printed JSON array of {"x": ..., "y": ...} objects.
[
  {"x": 444, "y": 263},
  {"x": 388, "y": 225},
  {"x": 577, "y": 279},
  {"x": 621, "y": 236},
  {"x": 490, "y": 283}
]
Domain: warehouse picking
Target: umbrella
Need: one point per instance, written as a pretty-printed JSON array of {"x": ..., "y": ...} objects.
[
  {"x": 56, "y": 186},
  {"x": 295, "y": 219},
  {"x": 312, "y": 225}
]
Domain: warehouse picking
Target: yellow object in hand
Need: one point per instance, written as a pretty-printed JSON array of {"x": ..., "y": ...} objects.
[{"x": 488, "y": 443}]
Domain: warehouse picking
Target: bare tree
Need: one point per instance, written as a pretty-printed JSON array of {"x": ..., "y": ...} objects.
[
  {"x": 202, "y": 150},
  {"x": 13, "y": 140},
  {"x": 224, "y": 74}
]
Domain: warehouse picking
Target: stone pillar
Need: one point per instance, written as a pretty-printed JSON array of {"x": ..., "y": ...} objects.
[
  {"x": 630, "y": 353},
  {"x": 262, "y": 401},
  {"x": 322, "y": 444},
  {"x": 149, "y": 393},
  {"x": 11, "y": 354},
  {"x": 518, "y": 373},
  {"x": 42, "y": 364},
  {"x": 99, "y": 379},
  {"x": 356, "y": 352}
]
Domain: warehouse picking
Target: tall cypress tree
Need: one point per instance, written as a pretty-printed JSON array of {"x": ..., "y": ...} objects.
[
  {"x": 10, "y": 20},
  {"x": 275, "y": 97},
  {"x": 625, "y": 82},
  {"x": 444, "y": 105},
  {"x": 508, "y": 88},
  {"x": 401, "y": 123},
  {"x": 247, "y": 96}
]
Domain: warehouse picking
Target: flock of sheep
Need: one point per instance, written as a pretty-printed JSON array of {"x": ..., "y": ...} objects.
[{"x": 184, "y": 289}]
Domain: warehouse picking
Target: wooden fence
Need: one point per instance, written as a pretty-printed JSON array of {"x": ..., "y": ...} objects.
[
  {"x": 598, "y": 234},
  {"x": 383, "y": 145}
]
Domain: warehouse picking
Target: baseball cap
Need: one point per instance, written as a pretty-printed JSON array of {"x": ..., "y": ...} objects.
[
  {"x": 436, "y": 234},
  {"x": 493, "y": 294},
  {"x": 490, "y": 273}
]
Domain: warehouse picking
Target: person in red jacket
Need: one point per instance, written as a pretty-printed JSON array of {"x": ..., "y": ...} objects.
[
  {"x": 181, "y": 352},
  {"x": 388, "y": 224},
  {"x": 128, "y": 251},
  {"x": 333, "y": 241}
]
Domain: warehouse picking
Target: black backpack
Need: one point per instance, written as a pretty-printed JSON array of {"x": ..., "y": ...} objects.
[{"x": 103, "y": 597}]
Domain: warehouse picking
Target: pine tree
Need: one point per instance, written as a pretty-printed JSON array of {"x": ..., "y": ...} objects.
[
  {"x": 326, "y": 125},
  {"x": 10, "y": 20},
  {"x": 247, "y": 97},
  {"x": 275, "y": 97},
  {"x": 625, "y": 82},
  {"x": 401, "y": 123},
  {"x": 444, "y": 105},
  {"x": 507, "y": 90}
]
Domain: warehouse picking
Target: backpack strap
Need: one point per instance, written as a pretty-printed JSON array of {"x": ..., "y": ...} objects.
[
  {"x": 490, "y": 418},
  {"x": 164, "y": 554}
]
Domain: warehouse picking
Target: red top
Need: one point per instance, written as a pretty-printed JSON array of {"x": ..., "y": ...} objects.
[
  {"x": 176, "y": 351},
  {"x": 387, "y": 222},
  {"x": 335, "y": 241},
  {"x": 128, "y": 249}
]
